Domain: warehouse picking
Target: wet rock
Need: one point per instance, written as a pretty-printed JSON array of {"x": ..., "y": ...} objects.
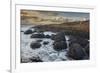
[
  {"x": 53, "y": 37},
  {"x": 76, "y": 52},
  {"x": 59, "y": 37},
  {"x": 35, "y": 45},
  {"x": 28, "y": 31},
  {"x": 38, "y": 35},
  {"x": 47, "y": 36},
  {"x": 72, "y": 39},
  {"x": 45, "y": 42},
  {"x": 38, "y": 40},
  {"x": 83, "y": 42},
  {"x": 59, "y": 41},
  {"x": 58, "y": 46},
  {"x": 36, "y": 59},
  {"x": 87, "y": 49},
  {"x": 22, "y": 31}
]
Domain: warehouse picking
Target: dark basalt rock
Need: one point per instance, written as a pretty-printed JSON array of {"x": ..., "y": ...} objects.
[
  {"x": 76, "y": 51},
  {"x": 59, "y": 37},
  {"x": 35, "y": 45},
  {"x": 39, "y": 40},
  {"x": 53, "y": 37},
  {"x": 36, "y": 59},
  {"x": 22, "y": 31},
  {"x": 45, "y": 42},
  {"x": 83, "y": 42},
  {"x": 59, "y": 41},
  {"x": 87, "y": 49},
  {"x": 47, "y": 36},
  {"x": 28, "y": 31},
  {"x": 58, "y": 46},
  {"x": 38, "y": 35}
]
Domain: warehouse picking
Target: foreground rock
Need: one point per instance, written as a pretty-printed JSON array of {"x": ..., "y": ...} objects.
[
  {"x": 58, "y": 37},
  {"x": 59, "y": 41},
  {"x": 58, "y": 46},
  {"x": 36, "y": 59},
  {"x": 29, "y": 31},
  {"x": 39, "y": 40},
  {"x": 77, "y": 52},
  {"x": 38, "y": 35},
  {"x": 83, "y": 42},
  {"x": 35, "y": 45},
  {"x": 47, "y": 36},
  {"x": 87, "y": 49},
  {"x": 45, "y": 42}
]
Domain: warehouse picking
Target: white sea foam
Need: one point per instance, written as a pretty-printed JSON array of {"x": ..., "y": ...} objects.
[{"x": 45, "y": 52}]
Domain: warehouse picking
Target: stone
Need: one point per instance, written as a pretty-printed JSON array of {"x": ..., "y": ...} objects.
[
  {"x": 76, "y": 51},
  {"x": 83, "y": 42},
  {"x": 52, "y": 36},
  {"x": 87, "y": 49},
  {"x": 38, "y": 35},
  {"x": 59, "y": 37},
  {"x": 35, "y": 45},
  {"x": 58, "y": 46},
  {"x": 39, "y": 40},
  {"x": 29, "y": 31},
  {"x": 22, "y": 31},
  {"x": 47, "y": 36},
  {"x": 45, "y": 42},
  {"x": 36, "y": 59}
]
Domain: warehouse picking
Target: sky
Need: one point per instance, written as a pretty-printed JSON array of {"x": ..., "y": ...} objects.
[
  {"x": 74, "y": 15},
  {"x": 70, "y": 15}
]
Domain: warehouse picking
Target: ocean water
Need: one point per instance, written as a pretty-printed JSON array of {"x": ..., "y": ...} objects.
[{"x": 45, "y": 52}]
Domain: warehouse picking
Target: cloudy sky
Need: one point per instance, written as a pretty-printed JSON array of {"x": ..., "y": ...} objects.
[{"x": 76, "y": 15}]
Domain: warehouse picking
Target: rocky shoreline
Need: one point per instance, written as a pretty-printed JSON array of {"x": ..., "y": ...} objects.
[{"x": 47, "y": 46}]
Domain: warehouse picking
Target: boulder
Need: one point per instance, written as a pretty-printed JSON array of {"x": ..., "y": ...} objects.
[
  {"x": 59, "y": 41},
  {"x": 29, "y": 31},
  {"x": 53, "y": 36},
  {"x": 47, "y": 36},
  {"x": 76, "y": 51},
  {"x": 36, "y": 59},
  {"x": 39, "y": 40},
  {"x": 59, "y": 37},
  {"x": 22, "y": 31},
  {"x": 38, "y": 35},
  {"x": 83, "y": 42},
  {"x": 45, "y": 42},
  {"x": 58, "y": 46},
  {"x": 87, "y": 49},
  {"x": 73, "y": 39},
  {"x": 35, "y": 45}
]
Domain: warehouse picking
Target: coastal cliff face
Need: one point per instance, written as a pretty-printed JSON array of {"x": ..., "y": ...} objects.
[{"x": 54, "y": 36}]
